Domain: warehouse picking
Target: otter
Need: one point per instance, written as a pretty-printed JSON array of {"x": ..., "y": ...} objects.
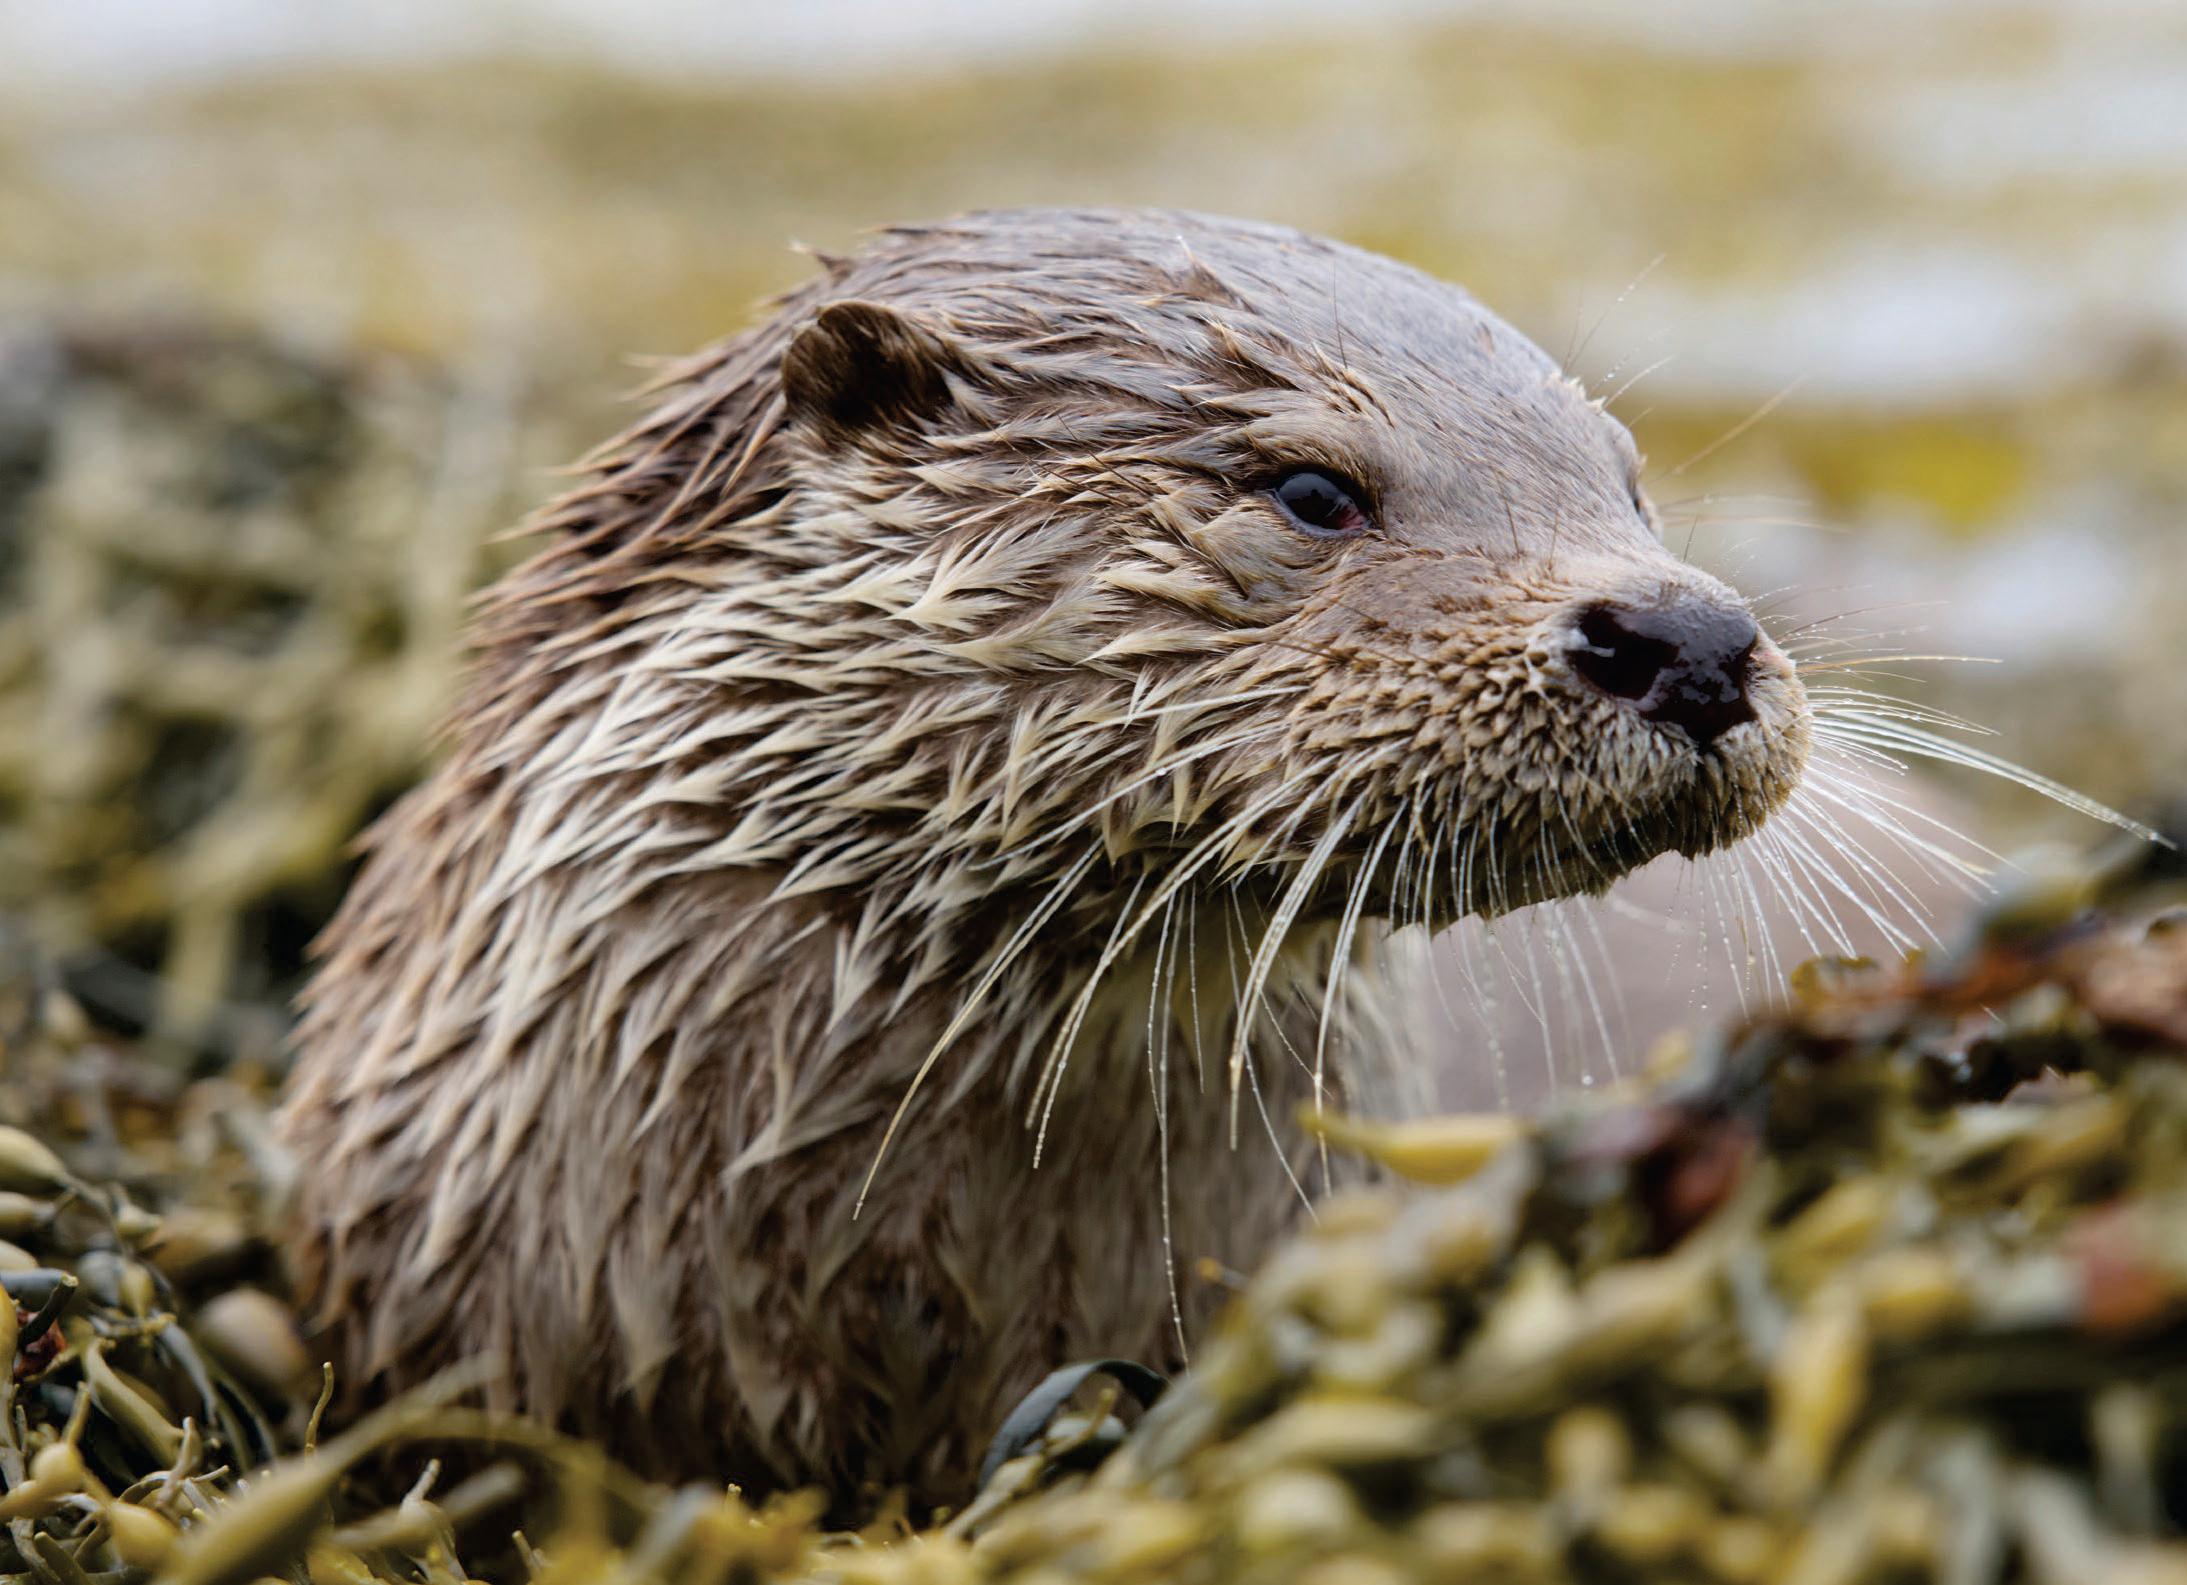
[{"x": 940, "y": 803}]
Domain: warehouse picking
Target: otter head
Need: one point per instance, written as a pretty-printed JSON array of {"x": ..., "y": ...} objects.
[
  {"x": 883, "y": 689},
  {"x": 1238, "y": 556}
]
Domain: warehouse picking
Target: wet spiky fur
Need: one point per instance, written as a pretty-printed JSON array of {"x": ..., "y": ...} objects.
[{"x": 924, "y": 731}]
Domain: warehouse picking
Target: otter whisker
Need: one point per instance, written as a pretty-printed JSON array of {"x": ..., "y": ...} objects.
[
  {"x": 1865, "y": 800},
  {"x": 1430, "y": 853},
  {"x": 1572, "y": 354},
  {"x": 1828, "y": 638},
  {"x": 1453, "y": 827},
  {"x": 1824, "y": 656},
  {"x": 1618, "y": 395},
  {"x": 1756, "y": 917},
  {"x": 1817, "y": 922},
  {"x": 1192, "y": 988},
  {"x": 1763, "y": 605},
  {"x": 1129, "y": 925},
  {"x": 1538, "y": 1002},
  {"x": 1331, "y": 786},
  {"x": 1059, "y": 1053},
  {"x": 1726, "y": 920},
  {"x": 1403, "y": 875},
  {"x": 1863, "y": 726},
  {"x": 1806, "y": 889},
  {"x": 1527, "y": 923},
  {"x": 1483, "y": 995},
  {"x": 1484, "y": 991},
  {"x": 1572, "y": 966},
  {"x": 1341, "y": 960},
  {"x": 1882, "y": 886},
  {"x": 1738, "y": 429},
  {"x": 1275, "y": 1141},
  {"x": 1158, "y": 994},
  {"x": 1272, "y": 939},
  {"x": 1499, "y": 901},
  {"x": 1680, "y": 503},
  {"x": 1296, "y": 995},
  {"x": 1818, "y": 627},
  {"x": 1830, "y": 700},
  {"x": 1816, "y": 668},
  {"x": 1881, "y": 660},
  {"x": 1025, "y": 932},
  {"x": 1835, "y": 802},
  {"x": 1579, "y": 845},
  {"x": 1744, "y": 519},
  {"x": 1590, "y": 918},
  {"x": 1236, "y": 935},
  {"x": 1422, "y": 830},
  {"x": 1739, "y": 941}
]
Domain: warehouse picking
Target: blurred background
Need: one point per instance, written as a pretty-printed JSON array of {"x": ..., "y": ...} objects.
[{"x": 301, "y": 305}]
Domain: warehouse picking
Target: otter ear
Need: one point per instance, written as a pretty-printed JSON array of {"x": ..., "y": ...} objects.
[{"x": 860, "y": 364}]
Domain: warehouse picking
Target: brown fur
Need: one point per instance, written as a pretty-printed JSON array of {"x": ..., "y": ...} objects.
[{"x": 932, "y": 656}]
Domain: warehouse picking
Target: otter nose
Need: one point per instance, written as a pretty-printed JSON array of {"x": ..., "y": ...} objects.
[{"x": 1685, "y": 664}]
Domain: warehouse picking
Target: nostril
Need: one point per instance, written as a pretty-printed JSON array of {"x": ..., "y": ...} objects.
[
  {"x": 1686, "y": 665},
  {"x": 1623, "y": 662}
]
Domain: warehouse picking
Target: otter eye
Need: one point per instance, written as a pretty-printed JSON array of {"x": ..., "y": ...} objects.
[{"x": 1323, "y": 504}]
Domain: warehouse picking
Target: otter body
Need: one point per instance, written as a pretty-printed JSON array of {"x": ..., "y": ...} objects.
[{"x": 936, "y": 808}]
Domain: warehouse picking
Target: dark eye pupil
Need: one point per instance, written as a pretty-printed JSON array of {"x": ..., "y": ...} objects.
[{"x": 1320, "y": 503}]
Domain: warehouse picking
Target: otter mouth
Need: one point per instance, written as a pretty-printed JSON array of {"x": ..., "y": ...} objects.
[
  {"x": 1727, "y": 792},
  {"x": 1422, "y": 852},
  {"x": 1593, "y": 865},
  {"x": 1437, "y": 878}
]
